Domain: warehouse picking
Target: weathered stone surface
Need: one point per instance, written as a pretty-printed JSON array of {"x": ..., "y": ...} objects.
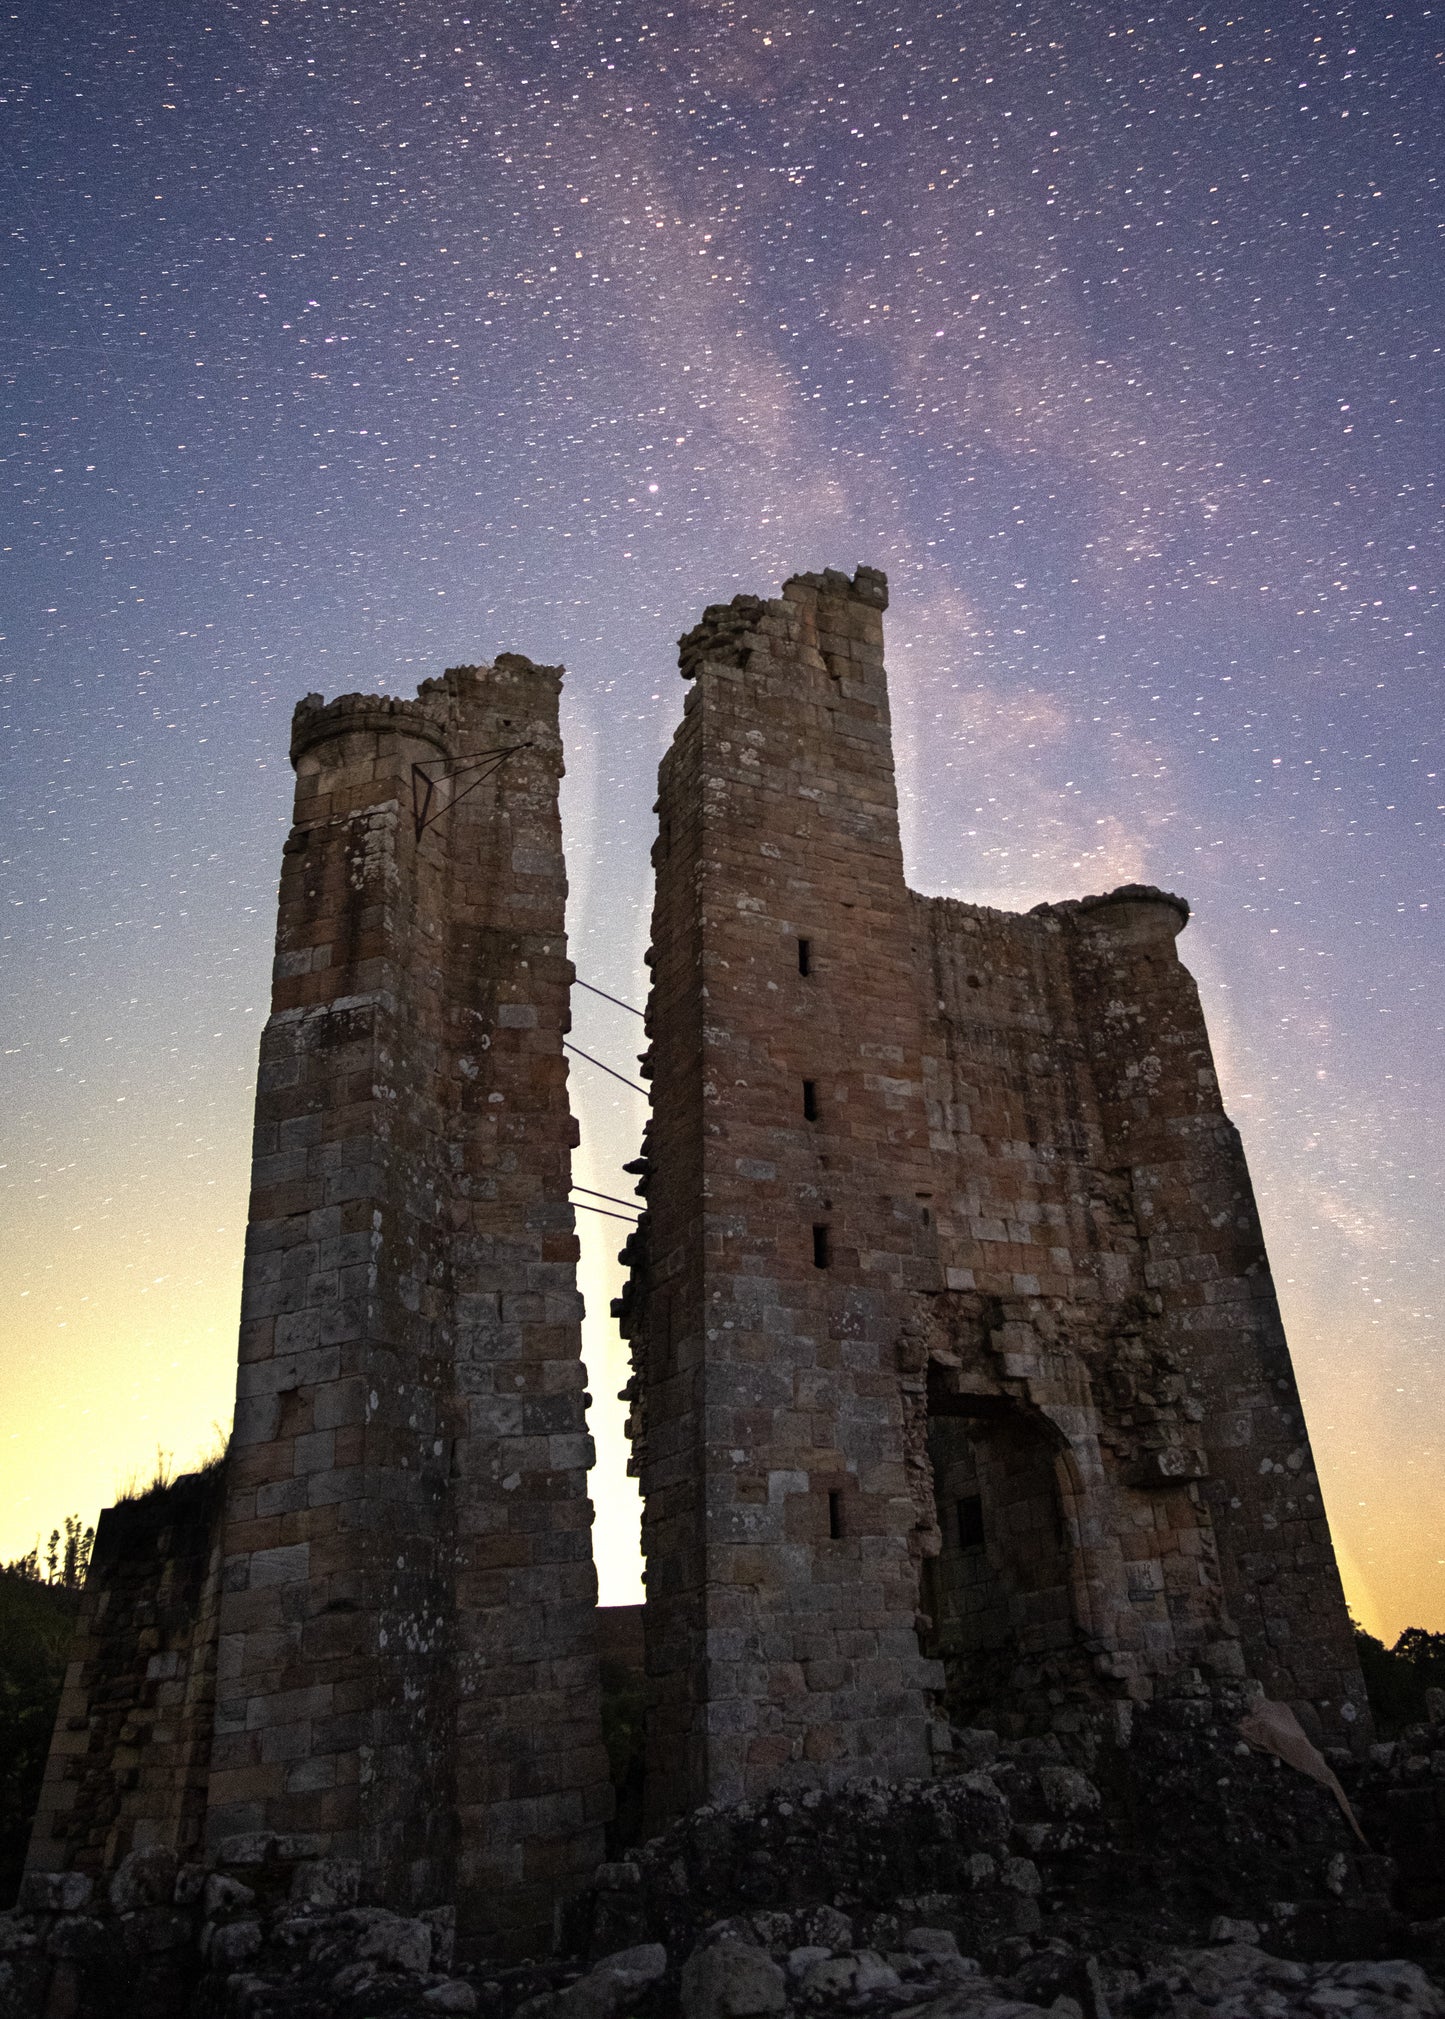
[
  {"x": 127, "y": 1761},
  {"x": 1224, "y": 1929},
  {"x": 223, "y": 1896},
  {"x": 54, "y": 1892},
  {"x": 609, "y": 1989},
  {"x": 326, "y": 1882},
  {"x": 732, "y": 1980},
  {"x": 269, "y": 1655},
  {"x": 956, "y": 1359},
  {"x": 452, "y": 1997},
  {"x": 931, "y": 1942},
  {"x": 19, "y": 1931},
  {"x": 958, "y": 1386},
  {"x": 233, "y": 1944},
  {"x": 144, "y": 1879},
  {"x": 874, "y": 1899},
  {"x": 396, "y": 1942},
  {"x": 411, "y": 1250}
]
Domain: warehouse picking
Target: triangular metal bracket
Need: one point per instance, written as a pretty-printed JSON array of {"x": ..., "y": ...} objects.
[{"x": 425, "y": 778}]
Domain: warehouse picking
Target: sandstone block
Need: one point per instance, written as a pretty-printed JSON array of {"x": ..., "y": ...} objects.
[
  {"x": 396, "y": 1943},
  {"x": 144, "y": 1879},
  {"x": 54, "y": 1892}
]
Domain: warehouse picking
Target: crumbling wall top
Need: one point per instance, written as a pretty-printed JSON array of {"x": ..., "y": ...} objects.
[
  {"x": 867, "y": 585},
  {"x": 316, "y": 720},
  {"x": 728, "y": 632},
  {"x": 430, "y": 716}
]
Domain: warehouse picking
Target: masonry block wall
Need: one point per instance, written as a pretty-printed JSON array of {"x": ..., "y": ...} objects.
[
  {"x": 127, "y": 1765},
  {"x": 959, "y": 1382},
  {"x": 783, "y": 1251},
  {"x": 406, "y": 1665},
  {"x": 957, "y": 1368}
]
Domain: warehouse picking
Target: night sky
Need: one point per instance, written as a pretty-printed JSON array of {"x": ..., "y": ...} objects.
[{"x": 344, "y": 343}]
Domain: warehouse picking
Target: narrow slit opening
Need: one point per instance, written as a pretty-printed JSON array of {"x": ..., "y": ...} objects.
[
  {"x": 810, "y": 1100},
  {"x": 805, "y": 956},
  {"x": 821, "y": 1256},
  {"x": 835, "y": 1513}
]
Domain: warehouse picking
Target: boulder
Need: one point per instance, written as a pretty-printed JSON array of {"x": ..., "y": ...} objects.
[
  {"x": 54, "y": 1892},
  {"x": 833, "y": 1977},
  {"x": 1067, "y": 1792},
  {"x": 18, "y": 1932},
  {"x": 326, "y": 1882},
  {"x": 453, "y": 1996},
  {"x": 802, "y": 1959},
  {"x": 226, "y": 1896},
  {"x": 234, "y": 1944},
  {"x": 607, "y": 1990},
  {"x": 732, "y": 1980},
  {"x": 931, "y": 1942},
  {"x": 144, "y": 1879},
  {"x": 1225, "y": 1929},
  {"x": 396, "y": 1943}
]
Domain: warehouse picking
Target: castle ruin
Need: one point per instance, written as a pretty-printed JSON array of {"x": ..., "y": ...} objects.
[{"x": 960, "y": 1392}]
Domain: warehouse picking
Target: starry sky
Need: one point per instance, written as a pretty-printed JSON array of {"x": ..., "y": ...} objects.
[{"x": 343, "y": 343}]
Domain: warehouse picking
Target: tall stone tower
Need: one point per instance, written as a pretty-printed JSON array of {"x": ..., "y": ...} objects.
[
  {"x": 406, "y": 1671},
  {"x": 959, "y": 1380},
  {"x": 788, "y": 1221}
]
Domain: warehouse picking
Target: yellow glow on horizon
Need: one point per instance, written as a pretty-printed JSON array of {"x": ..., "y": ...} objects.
[{"x": 118, "y": 1342}]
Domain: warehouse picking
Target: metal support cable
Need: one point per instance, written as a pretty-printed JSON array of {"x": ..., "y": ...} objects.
[
  {"x": 582, "y": 1206},
  {"x": 636, "y": 1085},
  {"x": 593, "y": 989},
  {"x": 631, "y": 1204}
]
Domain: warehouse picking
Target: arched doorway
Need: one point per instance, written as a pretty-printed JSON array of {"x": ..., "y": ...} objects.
[{"x": 1000, "y": 1592}]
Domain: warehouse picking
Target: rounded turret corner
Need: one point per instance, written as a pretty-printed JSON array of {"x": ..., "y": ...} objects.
[{"x": 1135, "y": 912}]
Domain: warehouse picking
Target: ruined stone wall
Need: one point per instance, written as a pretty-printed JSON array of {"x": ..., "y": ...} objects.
[
  {"x": 1103, "y": 1267},
  {"x": 127, "y": 1765},
  {"x": 782, "y": 1250},
  {"x": 958, "y": 1374},
  {"x": 406, "y": 1670},
  {"x": 1045, "y": 1311},
  {"x": 1218, "y": 1330},
  {"x": 942, "y": 1208}
]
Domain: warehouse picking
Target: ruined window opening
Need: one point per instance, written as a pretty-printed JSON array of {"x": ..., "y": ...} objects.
[
  {"x": 970, "y": 1521},
  {"x": 821, "y": 1254},
  {"x": 810, "y": 1100},
  {"x": 999, "y": 1590},
  {"x": 805, "y": 956},
  {"x": 835, "y": 1514}
]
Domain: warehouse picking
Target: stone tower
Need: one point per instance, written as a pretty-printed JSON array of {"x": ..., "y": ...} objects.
[
  {"x": 786, "y": 1232},
  {"x": 958, "y": 1373},
  {"x": 406, "y": 1671},
  {"x": 959, "y": 1382}
]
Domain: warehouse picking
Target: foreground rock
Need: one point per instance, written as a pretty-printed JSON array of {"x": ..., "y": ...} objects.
[{"x": 1165, "y": 1874}]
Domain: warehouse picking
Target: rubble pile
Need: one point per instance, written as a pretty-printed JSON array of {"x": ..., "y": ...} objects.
[
  {"x": 1155, "y": 1868},
  {"x": 1400, "y": 1794}
]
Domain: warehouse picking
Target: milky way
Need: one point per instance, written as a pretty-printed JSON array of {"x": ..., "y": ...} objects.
[{"x": 346, "y": 343}]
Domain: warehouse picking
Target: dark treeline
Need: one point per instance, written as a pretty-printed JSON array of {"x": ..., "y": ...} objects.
[
  {"x": 67, "y": 1557},
  {"x": 1397, "y": 1677},
  {"x": 39, "y": 1599}
]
